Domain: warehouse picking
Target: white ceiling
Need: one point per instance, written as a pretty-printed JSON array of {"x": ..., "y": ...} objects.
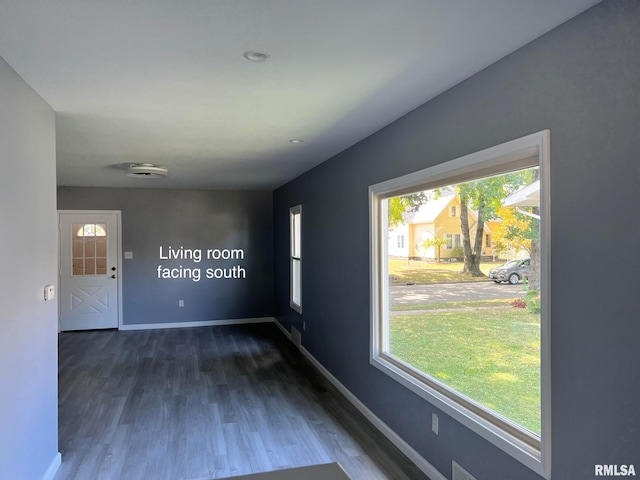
[{"x": 165, "y": 81}]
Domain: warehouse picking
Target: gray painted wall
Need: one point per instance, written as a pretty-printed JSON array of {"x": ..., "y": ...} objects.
[
  {"x": 28, "y": 261},
  {"x": 581, "y": 81},
  {"x": 200, "y": 220}
]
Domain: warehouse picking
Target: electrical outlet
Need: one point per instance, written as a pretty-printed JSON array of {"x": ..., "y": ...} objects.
[
  {"x": 181, "y": 303},
  {"x": 434, "y": 423}
]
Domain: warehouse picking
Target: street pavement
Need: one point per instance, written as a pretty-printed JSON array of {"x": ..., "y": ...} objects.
[{"x": 453, "y": 292}]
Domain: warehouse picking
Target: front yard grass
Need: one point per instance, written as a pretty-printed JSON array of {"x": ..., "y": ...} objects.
[
  {"x": 403, "y": 271},
  {"x": 405, "y": 307},
  {"x": 489, "y": 354}
]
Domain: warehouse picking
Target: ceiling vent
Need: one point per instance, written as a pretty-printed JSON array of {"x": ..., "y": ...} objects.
[{"x": 147, "y": 170}]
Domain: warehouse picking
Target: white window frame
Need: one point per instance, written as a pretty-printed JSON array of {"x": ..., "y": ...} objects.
[
  {"x": 532, "y": 451},
  {"x": 295, "y": 282}
]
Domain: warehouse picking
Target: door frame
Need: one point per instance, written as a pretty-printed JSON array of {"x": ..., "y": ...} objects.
[{"x": 118, "y": 214}]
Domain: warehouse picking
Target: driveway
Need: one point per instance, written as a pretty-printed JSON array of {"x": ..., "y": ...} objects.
[{"x": 453, "y": 292}]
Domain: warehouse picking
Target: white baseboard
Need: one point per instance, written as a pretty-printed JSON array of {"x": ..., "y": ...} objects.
[
  {"x": 204, "y": 323},
  {"x": 428, "y": 469},
  {"x": 53, "y": 468},
  {"x": 282, "y": 329}
]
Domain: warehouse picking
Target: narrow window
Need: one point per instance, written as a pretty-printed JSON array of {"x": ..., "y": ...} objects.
[
  {"x": 295, "y": 221},
  {"x": 481, "y": 357},
  {"x": 449, "y": 238},
  {"x": 456, "y": 242}
]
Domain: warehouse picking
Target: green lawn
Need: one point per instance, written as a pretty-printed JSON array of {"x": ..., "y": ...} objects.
[
  {"x": 490, "y": 354},
  {"x": 405, "y": 307},
  {"x": 402, "y": 271}
]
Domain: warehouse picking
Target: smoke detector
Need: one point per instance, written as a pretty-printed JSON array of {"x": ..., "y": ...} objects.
[{"x": 146, "y": 170}]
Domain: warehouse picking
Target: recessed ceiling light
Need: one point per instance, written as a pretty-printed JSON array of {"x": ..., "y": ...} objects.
[
  {"x": 296, "y": 140},
  {"x": 255, "y": 56}
]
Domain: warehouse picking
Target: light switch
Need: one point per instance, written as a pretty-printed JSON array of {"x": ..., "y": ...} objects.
[
  {"x": 128, "y": 255},
  {"x": 49, "y": 292}
]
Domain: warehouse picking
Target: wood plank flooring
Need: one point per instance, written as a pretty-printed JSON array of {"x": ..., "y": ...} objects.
[{"x": 206, "y": 403}]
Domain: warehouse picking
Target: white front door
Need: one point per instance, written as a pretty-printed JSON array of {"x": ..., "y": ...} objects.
[{"x": 89, "y": 270}]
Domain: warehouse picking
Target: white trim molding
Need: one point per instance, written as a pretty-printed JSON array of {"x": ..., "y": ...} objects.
[
  {"x": 53, "y": 467},
  {"x": 204, "y": 323}
]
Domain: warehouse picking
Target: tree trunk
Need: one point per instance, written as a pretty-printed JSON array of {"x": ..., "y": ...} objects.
[
  {"x": 534, "y": 269},
  {"x": 477, "y": 248},
  {"x": 471, "y": 256}
]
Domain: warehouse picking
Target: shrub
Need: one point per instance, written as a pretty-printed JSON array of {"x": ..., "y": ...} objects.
[
  {"x": 518, "y": 303},
  {"x": 533, "y": 301},
  {"x": 457, "y": 252}
]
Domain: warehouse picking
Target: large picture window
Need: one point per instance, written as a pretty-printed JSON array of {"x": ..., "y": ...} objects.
[{"x": 462, "y": 319}]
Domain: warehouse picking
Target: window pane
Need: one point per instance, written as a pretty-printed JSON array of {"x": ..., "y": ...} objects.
[
  {"x": 101, "y": 247},
  {"x": 101, "y": 266},
  {"x": 77, "y": 267},
  {"x": 90, "y": 266},
  {"x": 89, "y": 249},
  {"x": 471, "y": 323},
  {"x": 295, "y": 226},
  {"x": 90, "y": 229},
  {"x": 449, "y": 241},
  {"x": 78, "y": 247},
  {"x": 295, "y": 282}
]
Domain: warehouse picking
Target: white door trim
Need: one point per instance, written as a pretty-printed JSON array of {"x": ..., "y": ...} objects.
[{"x": 118, "y": 214}]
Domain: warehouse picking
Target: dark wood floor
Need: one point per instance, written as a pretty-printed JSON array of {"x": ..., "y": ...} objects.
[{"x": 205, "y": 403}]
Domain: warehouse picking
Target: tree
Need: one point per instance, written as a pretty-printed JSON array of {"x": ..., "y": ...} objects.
[
  {"x": 514, "y": 231},
  {"x": 534, "y": 251},
  {"x": 400, "y": 206},
  {"x": 484, "y": 196},
  {"x": 521, "y": 227},
  {"x": 521, "y": 232},
  {"x": 437, "y": 242}
]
